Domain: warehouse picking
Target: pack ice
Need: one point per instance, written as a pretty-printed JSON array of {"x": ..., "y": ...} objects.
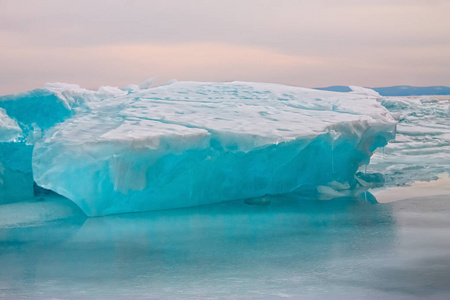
[{"x": 189, "y": 143}]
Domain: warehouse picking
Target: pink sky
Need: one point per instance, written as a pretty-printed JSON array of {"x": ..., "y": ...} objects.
[{"x": 302, "y": 43}]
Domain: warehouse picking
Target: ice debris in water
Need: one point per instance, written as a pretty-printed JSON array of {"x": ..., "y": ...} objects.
[{"x": 190, "y": 143}]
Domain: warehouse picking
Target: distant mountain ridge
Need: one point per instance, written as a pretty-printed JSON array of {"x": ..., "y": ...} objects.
[{"x": 398, "y": 90}]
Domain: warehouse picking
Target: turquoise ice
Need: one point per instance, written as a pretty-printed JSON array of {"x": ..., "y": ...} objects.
[{"x": 192, "y": 143}]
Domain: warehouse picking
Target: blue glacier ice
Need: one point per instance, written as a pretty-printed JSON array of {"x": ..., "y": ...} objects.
[
  {"x": 24, "y": 118},
  {"x": 191, "y": 143}
]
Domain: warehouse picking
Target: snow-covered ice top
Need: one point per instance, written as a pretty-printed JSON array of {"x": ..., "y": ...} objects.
[{"x": 242, "y": 115}]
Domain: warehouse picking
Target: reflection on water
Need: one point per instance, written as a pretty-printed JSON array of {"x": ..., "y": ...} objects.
[{"x": 277, "y": 247}]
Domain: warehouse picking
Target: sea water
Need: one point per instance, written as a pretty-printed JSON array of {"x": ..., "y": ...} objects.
[{"x": 271, "y": 247}]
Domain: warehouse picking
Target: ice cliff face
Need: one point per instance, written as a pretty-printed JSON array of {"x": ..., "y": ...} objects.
[{"x": 190, "y": 143}]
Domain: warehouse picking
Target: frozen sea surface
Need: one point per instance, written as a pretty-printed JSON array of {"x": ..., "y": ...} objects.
[{"x": 276, "y": 247}]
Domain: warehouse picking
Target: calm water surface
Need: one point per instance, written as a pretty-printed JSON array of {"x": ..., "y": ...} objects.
[{"x": 286, "y": 246}]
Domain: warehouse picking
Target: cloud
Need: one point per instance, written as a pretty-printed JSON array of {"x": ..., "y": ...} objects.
[
  {"x": 120, "y": 64},
  {"x": 324, "y": 42}
]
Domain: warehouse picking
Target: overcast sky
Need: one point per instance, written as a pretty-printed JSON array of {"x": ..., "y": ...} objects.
[{"x": 297, "y": 42}]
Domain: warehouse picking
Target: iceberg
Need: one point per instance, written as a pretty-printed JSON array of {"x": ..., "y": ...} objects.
[{"x": 193, "y": 143}]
